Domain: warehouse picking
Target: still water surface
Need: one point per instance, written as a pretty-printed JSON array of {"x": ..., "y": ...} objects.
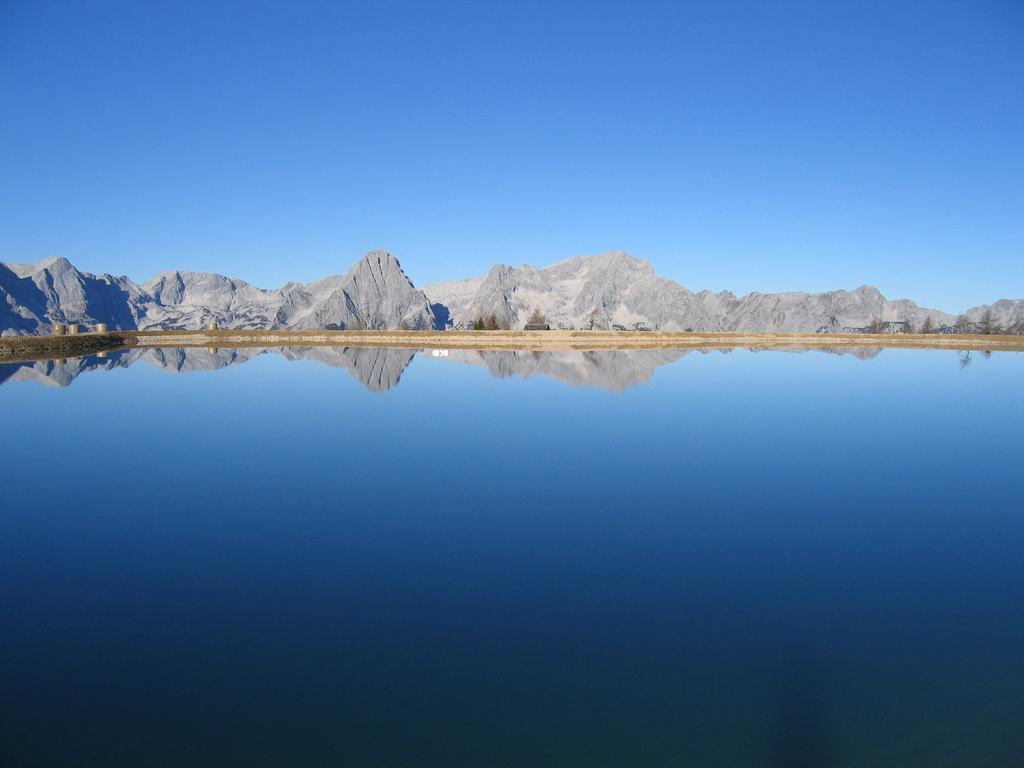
[{"x": 384, "y": 558}]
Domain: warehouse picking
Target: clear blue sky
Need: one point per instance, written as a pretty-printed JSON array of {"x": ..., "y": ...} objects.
[{"x": 747, "y": 145}]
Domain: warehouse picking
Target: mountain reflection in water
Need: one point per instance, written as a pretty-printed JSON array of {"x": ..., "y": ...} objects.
[
  {"x": 379, "y": 368},
  {"x": 742, "y": 561}
]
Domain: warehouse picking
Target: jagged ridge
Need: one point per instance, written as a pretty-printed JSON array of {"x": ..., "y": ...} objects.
[
  {"x": 613, "y": 290},
  {"x": 374, "y": 294},
  {"x": 616, "y": 289}
]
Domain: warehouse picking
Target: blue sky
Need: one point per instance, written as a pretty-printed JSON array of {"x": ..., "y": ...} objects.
[{"x": 748, "y": 145}]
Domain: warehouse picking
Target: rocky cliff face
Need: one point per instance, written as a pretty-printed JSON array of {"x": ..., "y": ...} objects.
[
  {"x": 374, "y": 294},
  {"x": 614, "y": 290},
  {"x": 1005, "y": 313},
  {"x": 598, "y": 291},
  {"x": 34, "y": 296},
  {"x": 618, "y": 290}
]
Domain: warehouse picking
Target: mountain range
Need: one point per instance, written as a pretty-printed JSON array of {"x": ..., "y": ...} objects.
[{"x": 613, "y": 290}]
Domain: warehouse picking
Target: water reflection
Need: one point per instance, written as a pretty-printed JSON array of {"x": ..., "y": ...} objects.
[
  {"x": 380, "y": 369},
  {"x": 376, "y": 368},
  {"x": 615, "y": 370},
  {"x": 771, "y": 560}
]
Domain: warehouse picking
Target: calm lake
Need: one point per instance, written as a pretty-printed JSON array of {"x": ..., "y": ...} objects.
[{"x": 364, "y": 557}]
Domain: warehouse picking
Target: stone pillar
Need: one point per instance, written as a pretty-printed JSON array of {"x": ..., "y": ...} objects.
[
  {"x": 72, "y": 329},
  {"x": 101, "y": 327},
  {"x": 59, "y": 329},
  {"x": 212, "y": 326}
]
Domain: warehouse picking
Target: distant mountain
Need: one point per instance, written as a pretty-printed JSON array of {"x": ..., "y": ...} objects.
[
  {"x": 33, "y": 296},
  {"x": 374, "y": 294},
  {"x": 613, "y": 290},
  {"x": 618, "y": 290},
  {"x": 1005, "y": 314}
]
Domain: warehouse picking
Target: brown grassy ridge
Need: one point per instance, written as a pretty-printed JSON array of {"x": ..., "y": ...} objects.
[
  {"x": 46, "y": 347},
  {"x": 14, "y": 349}
]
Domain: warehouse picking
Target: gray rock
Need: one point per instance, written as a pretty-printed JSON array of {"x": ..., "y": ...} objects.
[
  {"x": 616, "y": 289},
  {"x": 608, "y": 291},
  {"x": 374, "y": 294},
  {"x": 34, "y": 296},
  {"x": 1007, "y": 314}
]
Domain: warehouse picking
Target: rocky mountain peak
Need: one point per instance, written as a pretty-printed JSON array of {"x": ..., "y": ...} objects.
[
  {"x": 56, "y": 264},
  {"x": 374, "y": 293},
  {"x": 612, "y": 290},
  {"x": 379, "y": 269}
]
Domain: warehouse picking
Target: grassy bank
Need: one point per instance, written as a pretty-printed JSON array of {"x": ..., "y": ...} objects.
[
  {"x": 564, "y": 340},
  {"x": 42, "y": 347}
]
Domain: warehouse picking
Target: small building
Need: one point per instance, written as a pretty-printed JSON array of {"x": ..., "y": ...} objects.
[{"x": 536, "y": 327}]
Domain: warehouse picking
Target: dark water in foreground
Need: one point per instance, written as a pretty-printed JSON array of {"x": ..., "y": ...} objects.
[{"x": 769, "y": 559}]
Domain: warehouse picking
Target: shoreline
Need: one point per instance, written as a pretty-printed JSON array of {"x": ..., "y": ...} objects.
[{"x": 21, "y": 348}]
